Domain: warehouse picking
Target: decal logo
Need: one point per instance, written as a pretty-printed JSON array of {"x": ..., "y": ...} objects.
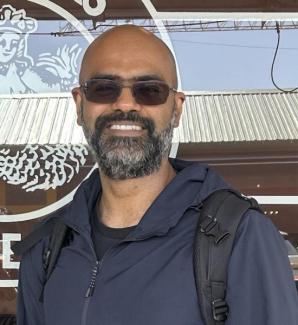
[
  {"x": 19, "y": 72},
  {"x": 96, "y": 10},
  {"x": 42, "y": 167}
]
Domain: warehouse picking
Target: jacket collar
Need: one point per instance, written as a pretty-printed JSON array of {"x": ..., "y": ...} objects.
[{"x": 192, "y": 184}]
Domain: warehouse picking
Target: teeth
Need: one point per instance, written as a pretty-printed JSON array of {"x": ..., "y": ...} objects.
[{"x": 125, "y": 127}]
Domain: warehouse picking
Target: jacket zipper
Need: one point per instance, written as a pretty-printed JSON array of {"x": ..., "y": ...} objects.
[
  {"x": 98, "y": 265},
  {"x": 92, "y": 283},
  {"x": 90, "y": 291},
  {"x": 91, "y": 287},
  {"x": 95, "y": 271}
]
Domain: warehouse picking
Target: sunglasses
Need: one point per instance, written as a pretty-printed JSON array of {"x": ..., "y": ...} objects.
[{"x": 107, "y": 91}]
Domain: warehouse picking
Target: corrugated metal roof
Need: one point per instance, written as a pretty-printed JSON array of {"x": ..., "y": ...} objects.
[
  {"x": 39, "y": 119},
  {"x": 207, "y": 117},
  {"x": 239, "y": 116}
]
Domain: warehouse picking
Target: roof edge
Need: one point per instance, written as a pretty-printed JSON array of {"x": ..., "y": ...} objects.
[
  {"x": 235, "y": 92},
  {"x": 187, "y": 92},
  {"x": 35, "y": 95}
]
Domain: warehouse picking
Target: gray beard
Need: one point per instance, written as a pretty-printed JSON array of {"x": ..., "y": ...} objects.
[{"x": 122, "y": 158}]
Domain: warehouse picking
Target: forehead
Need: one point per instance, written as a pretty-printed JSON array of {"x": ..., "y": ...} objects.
[{"x": 128, "y": 58}]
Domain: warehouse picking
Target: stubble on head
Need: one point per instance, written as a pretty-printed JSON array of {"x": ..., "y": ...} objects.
[{"x": 119, "y": 33}]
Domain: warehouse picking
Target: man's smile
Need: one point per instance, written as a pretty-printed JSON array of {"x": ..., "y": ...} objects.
[{"x": 125, "y": 128}]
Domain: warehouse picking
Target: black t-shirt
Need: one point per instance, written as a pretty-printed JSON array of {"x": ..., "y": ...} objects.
[{"x": 104, "y": 237}]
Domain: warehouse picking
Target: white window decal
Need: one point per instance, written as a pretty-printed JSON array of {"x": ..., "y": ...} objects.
[
  {"x": 7, "y": 239},
  {"x": 42, "y": 167},
  {"x": 19, "y": 72}
]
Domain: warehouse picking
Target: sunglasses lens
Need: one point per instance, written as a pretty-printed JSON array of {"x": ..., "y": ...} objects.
[
  {"x": 150, "y": 92},
  {"x": 102, "y": 91}
]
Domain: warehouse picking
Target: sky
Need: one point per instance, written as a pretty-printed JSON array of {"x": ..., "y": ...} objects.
[
  {"x": 236, "y": 60},
  {"x": 226, "y": 60},
  {"x": 207, "y": 61}
]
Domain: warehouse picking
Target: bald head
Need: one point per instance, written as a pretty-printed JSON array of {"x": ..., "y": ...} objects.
[{"x": 128, "y": 47}]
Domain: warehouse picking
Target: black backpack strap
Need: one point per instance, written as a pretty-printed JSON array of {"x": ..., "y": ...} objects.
[
  {"x": 220, "y": 216},
  {"x": 58, "y": 231},
  {"x": 51, "y": 254},
  {"x": 43, "y": 230}
]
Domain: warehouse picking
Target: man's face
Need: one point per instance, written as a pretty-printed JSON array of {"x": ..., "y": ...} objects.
[{"x": 129, "y": 139}]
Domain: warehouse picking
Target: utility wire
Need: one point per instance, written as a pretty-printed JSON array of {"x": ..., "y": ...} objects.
[
  {"x": 206, "y": 26},
  {"x": 273, "y": 62},
  {"x": 235, "y": 45}
]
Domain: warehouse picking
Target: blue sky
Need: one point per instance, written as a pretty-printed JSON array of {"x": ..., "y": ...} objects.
[
  {"x": 236, "y": 59},
  {"x": 230, "y": 60}
]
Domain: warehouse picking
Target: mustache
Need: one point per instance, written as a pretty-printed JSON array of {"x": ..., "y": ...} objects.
[{"x": 102, "y": 121}]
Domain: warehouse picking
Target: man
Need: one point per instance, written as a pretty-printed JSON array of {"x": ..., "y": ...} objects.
[{"x": 129, "y": 261}]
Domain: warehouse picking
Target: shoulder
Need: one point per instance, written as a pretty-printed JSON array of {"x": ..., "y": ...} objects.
[
  {"x": 259, "y": 252},
  {"x": 258, "y": 228},
  {"x": 261, "y": 289},
  {"x": 257, "y": 238}
]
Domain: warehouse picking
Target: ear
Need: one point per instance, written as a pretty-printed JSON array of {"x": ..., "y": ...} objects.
[
  {"x": 179, "y": 100},
  {"x": 77, "y": 97}
]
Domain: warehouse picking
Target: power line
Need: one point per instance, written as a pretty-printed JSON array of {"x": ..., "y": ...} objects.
[
  {"x": 273, "y": 63},
  {"x": 235, "y": 45},
  {"x": 96, "y": 28},
  {"x": 184, "y": 26}
]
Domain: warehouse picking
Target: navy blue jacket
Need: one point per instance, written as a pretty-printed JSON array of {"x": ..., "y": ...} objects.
[{"x": 148, "y": 279}]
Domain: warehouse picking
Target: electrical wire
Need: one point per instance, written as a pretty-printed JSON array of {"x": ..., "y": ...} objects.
[
  {"x": 210, "y": 26},
  {"x": 273, "y": 62},
  {"x": 234, "y": 45},
  {"x": 107, "y": 25}
]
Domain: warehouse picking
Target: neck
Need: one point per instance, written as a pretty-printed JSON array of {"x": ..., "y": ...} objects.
[{"x": 124, "y": 202}]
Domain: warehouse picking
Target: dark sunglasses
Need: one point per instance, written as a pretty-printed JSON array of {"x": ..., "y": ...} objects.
[{"x": 107, "y": 91}]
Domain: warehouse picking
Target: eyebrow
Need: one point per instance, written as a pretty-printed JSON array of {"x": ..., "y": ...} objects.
[
  {"x": 105, "y": 76},
  {"x": 117, "y": 77},
  {"x": 149, "y": 77}
]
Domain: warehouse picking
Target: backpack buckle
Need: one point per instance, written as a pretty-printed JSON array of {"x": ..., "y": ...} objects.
[
  {"x": 220, "y": 310},
  {"x": 207, "y": 224}
]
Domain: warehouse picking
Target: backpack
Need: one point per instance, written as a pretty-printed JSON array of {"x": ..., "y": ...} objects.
[
  {"x": 219, "y": 216},
  {"x": 7, "y": 319}
]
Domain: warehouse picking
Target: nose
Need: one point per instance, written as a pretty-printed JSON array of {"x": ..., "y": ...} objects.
[{"x": 126, "y": 101}]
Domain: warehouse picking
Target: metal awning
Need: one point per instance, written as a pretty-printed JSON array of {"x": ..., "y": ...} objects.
[
  {"x": 39, "y": 119},
  {"x": 208, "y": 117},
  {"x": 239, "y": 116}
]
